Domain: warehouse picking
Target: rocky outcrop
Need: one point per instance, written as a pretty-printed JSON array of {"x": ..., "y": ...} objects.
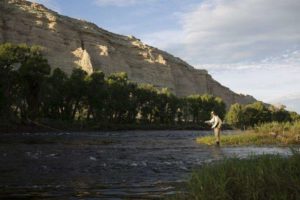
[{"x": 69, "y": 43}]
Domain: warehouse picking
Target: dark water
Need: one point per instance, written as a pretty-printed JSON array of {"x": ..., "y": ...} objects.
[{"x": 105, "y": 165}]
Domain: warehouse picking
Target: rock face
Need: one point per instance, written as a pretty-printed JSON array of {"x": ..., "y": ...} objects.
[{"x": 69, "y": 43}]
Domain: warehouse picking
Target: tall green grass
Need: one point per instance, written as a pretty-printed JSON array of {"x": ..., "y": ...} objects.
[
  {"x": 255, "y": 178},
  {"x": 264, "y": 134}
]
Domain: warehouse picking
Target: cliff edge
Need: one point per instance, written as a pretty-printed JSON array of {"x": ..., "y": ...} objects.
[{"x": 69, "y": 43}]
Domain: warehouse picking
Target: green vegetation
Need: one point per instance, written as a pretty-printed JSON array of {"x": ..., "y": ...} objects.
[
  {"x": 255, "y": 178},
  {"x": 30, "y": 93},
  {"x": 33, "y": 94},
  {"x": 247, "y": 116},
  {"x": 264, "y": 125},
  {"x": 269, "y": 133}
]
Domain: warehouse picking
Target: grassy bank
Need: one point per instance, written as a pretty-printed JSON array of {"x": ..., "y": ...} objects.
[
  {"x": 265, "y": 134},
  {"x": 255, "y": 178}
]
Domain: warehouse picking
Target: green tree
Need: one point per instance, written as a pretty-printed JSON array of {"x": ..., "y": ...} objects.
[
  {"x": 118, "y": 97},
  {"x": 195, "y": 105},
  {"x": 11, "y": 57},
  {"x": 54, "y": 95},
  {"x": 235, "y": 116},
  {"x": 33, "y": 73},
  {"x": 280, "y": 114},
  {"x": 183, "y": 114},
  {"x": 132, "y": 109},
  {"x": 76, "y": 96},
  {"x": 256, "y": 113},
  {"x": 219, "y": 107},
  {"x": 23, "y": 70},
  {"x": 146, "y": 100},
  {"x": 174, "y": 112},
  {"x": 97, "y": 96},
  {"x": 161, "y": 106},
  {"x": 200, "y": 107},
  {"x": 209, "y": 104},
  {"x": 294, "y": 116}
]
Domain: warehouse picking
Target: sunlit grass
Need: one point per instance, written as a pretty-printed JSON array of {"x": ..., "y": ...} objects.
[
  {"x": 265, "y": 134},
  {"x": 255, "y": 178}
]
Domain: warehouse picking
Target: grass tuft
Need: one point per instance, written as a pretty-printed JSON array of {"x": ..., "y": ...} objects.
[{"x": 255, "y": 178}]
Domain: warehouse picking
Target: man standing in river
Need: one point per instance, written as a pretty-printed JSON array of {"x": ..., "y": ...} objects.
[{"x": 216, "y": 123}]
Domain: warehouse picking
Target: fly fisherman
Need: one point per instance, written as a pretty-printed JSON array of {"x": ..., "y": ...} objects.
[{"x": 216, "y": 123}]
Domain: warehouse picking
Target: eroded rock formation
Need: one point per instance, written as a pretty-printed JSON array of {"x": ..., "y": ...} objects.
[{"x": 70, "y": 43}]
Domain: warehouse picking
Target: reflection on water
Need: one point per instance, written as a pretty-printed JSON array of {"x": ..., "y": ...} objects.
[{"x": 106, "y": 165}]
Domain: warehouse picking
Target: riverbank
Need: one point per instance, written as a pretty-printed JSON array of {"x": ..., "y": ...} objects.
[
  {"x": 65, "y": 126},
  {"x": 266, "y": 134},
  {"x": 257, "y": 177}
]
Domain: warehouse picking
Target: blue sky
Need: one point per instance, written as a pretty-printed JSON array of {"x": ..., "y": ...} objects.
[{"x": 250, "y": 46}]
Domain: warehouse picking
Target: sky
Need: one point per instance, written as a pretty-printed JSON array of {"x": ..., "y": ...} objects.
[{"x": 250, "y": 46}]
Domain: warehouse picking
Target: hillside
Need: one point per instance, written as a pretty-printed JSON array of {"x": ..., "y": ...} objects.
[{"x": 69, "y": 43}]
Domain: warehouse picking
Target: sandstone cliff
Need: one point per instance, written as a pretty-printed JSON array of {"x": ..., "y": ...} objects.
[{"x": 71, "y": 43}]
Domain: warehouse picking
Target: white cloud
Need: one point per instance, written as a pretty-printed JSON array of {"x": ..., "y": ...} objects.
[
  {"x": 231, "y": 31},
  {"x": 51, "y": 4},
  {"x": 290, "y": 100},
  {"x": 271, "y": 84},
  {"x": 293, "y": 96},
  {"x": 235, "y": 31},
  {"x": 287, "y": 59},
  {"x": 115, "y": 2},
  {"x": 166, "y": 39},
  {"x": 251, "y": 46}
]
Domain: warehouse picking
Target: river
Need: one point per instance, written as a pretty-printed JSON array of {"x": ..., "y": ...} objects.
[{"x": 105, "y": 165}]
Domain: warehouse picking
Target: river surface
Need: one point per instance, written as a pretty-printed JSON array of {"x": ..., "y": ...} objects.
[{"x": 105, "y": 165}]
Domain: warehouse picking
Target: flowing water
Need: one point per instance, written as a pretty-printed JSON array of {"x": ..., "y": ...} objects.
[{"x": 105, "y": 165}]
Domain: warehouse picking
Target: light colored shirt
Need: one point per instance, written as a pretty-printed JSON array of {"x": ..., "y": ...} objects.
[{"x": 215, "y": 121}]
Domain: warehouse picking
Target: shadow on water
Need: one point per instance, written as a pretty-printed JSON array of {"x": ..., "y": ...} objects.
[{"x": 106, "y": 165}]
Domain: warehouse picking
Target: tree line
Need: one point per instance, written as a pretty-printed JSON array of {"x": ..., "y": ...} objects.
[
  {"x": 31, "y": 91},
  {"x": 245, "y": 116}
]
